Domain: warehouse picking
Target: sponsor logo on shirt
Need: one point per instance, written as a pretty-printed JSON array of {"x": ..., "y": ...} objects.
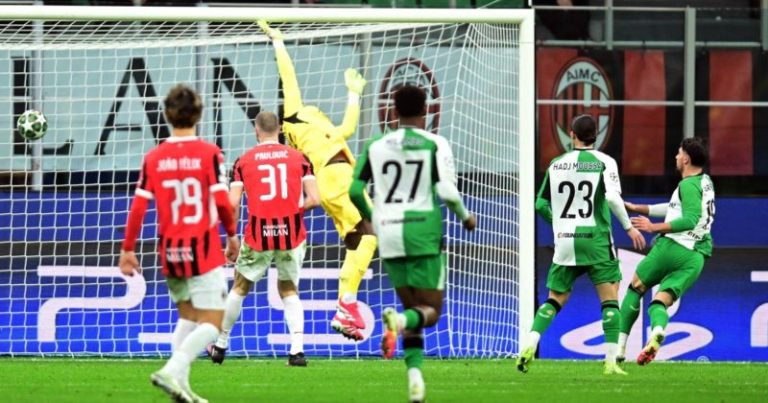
[
  {"x": 586, "y": 235},
  {"x": 404, "y": 220},
  {"x": 179, "y": 254},
  {"x": 274, "y": 230}
]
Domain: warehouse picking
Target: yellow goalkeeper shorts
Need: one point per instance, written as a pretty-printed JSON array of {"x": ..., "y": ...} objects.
[{"x": 333, "y": 182}]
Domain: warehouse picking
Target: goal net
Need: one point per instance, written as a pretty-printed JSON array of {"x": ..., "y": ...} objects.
[{"x": 100, "y": 83}]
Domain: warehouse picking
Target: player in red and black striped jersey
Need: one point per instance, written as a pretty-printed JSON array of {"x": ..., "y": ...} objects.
[
  {"x": 184, "y": 176},
  {"x": 280, "y": 185},
  {"x": 274, "y": 174}
]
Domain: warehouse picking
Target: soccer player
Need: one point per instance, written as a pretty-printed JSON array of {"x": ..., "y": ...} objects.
[
  {"x": 280, "y": 184},
  {"x": 580, "y": 189},
  {"x": 410, "y": 168},
  {"x": 310, "y": 131},
  {"x": 184, "y": 176},
  {"x": 677, "y": 257}
]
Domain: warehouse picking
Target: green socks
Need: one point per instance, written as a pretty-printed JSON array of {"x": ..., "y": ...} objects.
[
  {"x": 611, "y": 319},
  {"x": 414, "y": 357},
  {"x": 544, "y": 316},
  {"x": 413, "y": 319},
  {"x": 630, "y": 309},
  {"x": 658, "y": 313}
]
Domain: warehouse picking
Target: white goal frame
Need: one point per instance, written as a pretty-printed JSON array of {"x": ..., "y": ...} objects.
[{"x": 524, "y": 18}]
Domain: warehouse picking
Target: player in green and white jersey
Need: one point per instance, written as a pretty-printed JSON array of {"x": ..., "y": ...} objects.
[
  {"x": 410, "y": 169},
  {"x": 677, "y": 258},
  {"x": 580, "y": 190}
]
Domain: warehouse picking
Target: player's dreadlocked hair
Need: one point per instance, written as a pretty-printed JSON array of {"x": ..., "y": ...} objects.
[{"x": 183, "y": 107}]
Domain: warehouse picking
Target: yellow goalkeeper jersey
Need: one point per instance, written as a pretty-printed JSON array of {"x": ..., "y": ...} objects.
[
  {"x": 306, "y": 128},
  {"x": 310, "y": 131}
]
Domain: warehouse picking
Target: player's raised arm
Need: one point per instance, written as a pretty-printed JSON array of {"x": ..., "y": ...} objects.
[
  {"x": 355, "y": 84},
  {"x": 291, "y": 92}
]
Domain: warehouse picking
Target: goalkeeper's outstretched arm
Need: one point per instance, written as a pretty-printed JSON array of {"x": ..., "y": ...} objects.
[
  {"x": 291, "y": 92},
  {"x": 355, "y": 84}
]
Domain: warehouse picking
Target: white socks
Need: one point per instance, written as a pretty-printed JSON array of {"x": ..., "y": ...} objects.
[
  {"x": 183, "y": 328},
  {"x": 414, "y": 375},
  {"x": 610, "y": 352},
  {"x": 533, "y": 339},
  {"x": 233, "y": 305},
  {"x": 294, "y": 318},
  {"x": 622, "y": 343},
  {"x": 190, "y": 348}
]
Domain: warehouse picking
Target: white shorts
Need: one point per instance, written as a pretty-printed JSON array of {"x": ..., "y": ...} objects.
[
  {"x": 253, "y": 264},
  {"x": 207, "y": 291}
]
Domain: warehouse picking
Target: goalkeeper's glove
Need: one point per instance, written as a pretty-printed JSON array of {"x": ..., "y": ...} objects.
[
  {"x": 355, "y": 82},
  {"x": 273, "y": 33}
]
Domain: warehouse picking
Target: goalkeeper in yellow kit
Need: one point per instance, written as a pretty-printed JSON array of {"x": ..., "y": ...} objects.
[{"x": 310, "y": 131}]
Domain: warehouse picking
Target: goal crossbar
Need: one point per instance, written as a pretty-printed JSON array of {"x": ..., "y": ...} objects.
[{"x": 272, "y": 14}]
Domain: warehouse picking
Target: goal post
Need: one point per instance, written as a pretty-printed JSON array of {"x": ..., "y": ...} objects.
[{"x": 99, "y": 75}]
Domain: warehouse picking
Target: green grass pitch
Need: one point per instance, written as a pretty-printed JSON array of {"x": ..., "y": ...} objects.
[{"x": 373, "y": 380}]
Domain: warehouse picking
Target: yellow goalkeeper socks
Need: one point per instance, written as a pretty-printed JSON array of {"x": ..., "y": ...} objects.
[{"x": 356, "y": 262}]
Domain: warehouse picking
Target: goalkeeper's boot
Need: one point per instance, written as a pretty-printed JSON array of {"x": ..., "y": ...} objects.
[
  {"x": 352, "y": 312},
  {"x": 170, "y": 385},
  {"x": 416, "y": 390},
  {"x": 297, "y": 360},
  {"x": 389, "y": 340},
  {"x": 216, "y": 353},
  {"x": 346, "y": 326},
  {"x": 612, "y": 368},
  {"x": 273, "y": 33},
  {"x": 525, "y": 358},
  {"x": 652, "y": 347}
]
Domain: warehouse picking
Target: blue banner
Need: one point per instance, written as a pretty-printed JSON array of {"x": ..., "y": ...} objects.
[
  {"x": 61, "y": 293},
  {"x": 723, "y": 317}
]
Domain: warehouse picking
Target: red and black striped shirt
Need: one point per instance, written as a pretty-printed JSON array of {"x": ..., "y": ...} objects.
[
  {"x": 272, "y": 175},
  {"x": 182, "y": 175}
]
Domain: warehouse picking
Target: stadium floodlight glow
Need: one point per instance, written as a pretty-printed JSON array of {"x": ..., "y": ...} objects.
[{"x": 99, "y": 75}]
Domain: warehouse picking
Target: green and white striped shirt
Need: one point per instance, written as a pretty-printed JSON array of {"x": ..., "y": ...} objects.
[
  {"x": 411, "y": 170},
  {"x": 580, "y": 190}
]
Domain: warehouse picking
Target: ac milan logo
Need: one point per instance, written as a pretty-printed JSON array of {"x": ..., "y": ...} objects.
[
  {"x": 585, "y": 81},
  {"x": 414, "y": 72}
]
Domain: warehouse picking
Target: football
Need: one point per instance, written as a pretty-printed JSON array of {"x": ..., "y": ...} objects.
[{"x": 32, "y": 124}]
